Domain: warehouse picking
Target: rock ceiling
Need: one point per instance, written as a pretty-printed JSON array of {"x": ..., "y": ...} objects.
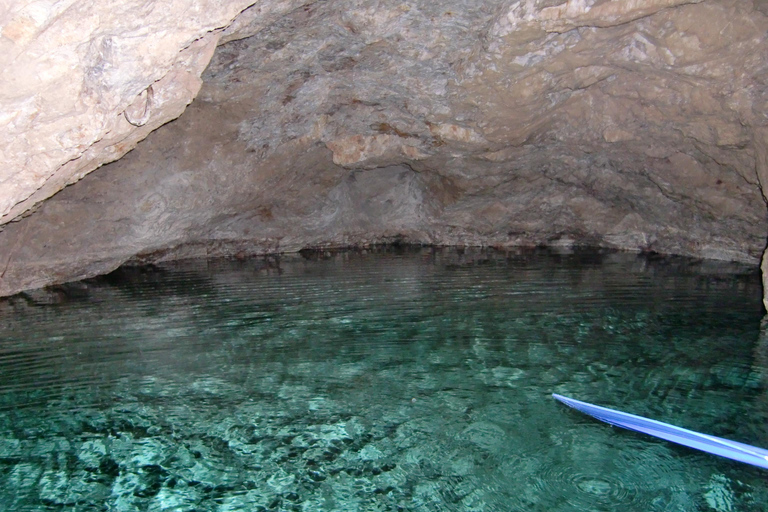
[{"x": 614, "y": 123}]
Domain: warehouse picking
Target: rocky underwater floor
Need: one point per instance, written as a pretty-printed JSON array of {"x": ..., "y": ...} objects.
[{"x": 394, "y": 380}]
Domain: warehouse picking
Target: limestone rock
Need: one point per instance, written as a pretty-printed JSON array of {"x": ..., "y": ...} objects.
[
  {"x": 75, "y": 70},
  {"x": 622, "y": 124}
]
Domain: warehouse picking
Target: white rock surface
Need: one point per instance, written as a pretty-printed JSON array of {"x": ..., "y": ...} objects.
[{"x": 71, "y": 68}]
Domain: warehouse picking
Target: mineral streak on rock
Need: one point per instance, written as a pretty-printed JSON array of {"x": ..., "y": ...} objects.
[{"x": 622, "y": 124}]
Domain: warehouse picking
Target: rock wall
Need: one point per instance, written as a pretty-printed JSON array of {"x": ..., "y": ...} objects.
[
  {"x": 632, "y": 125},
  {"x": 84, "y": 81}
]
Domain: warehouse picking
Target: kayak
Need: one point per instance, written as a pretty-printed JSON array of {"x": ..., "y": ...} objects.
[{"x": 711, "y": 444}]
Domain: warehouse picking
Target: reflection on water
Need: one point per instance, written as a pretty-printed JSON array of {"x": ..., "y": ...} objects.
[{"x": 411, "y": 380}]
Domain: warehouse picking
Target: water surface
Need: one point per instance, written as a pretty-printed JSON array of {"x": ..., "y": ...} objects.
[{"x": 401, "y": 380}]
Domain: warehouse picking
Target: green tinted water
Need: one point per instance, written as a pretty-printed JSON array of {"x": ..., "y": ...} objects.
[{"x": 417, "y": 380}]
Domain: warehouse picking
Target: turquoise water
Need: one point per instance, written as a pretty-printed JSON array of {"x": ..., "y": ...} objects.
[{"x": 399, "y": 380}]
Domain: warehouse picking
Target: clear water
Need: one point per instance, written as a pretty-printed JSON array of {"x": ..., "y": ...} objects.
[{"x": 412, "y": 380}]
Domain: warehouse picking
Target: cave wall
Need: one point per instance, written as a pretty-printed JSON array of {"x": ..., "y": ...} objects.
[
  {"x": 84, "y": 81},
  {"x": 632, "y": 125}
]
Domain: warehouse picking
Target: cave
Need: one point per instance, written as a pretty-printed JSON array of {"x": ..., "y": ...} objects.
[
  {"x": 347, "y": 254},
  {"x": 148, "y": 133}
]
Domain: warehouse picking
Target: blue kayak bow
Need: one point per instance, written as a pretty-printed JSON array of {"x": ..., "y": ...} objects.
[{"x": 711, "y": 444}]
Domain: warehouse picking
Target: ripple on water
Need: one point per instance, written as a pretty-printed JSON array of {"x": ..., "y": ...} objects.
[{"x": 405, "y": 382}]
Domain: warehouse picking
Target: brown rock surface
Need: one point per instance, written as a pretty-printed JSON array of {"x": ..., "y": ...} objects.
[{"x": 624, "y": 124}]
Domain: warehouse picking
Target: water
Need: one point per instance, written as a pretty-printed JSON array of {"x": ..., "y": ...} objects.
[{"x": 401, "y": 380}]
